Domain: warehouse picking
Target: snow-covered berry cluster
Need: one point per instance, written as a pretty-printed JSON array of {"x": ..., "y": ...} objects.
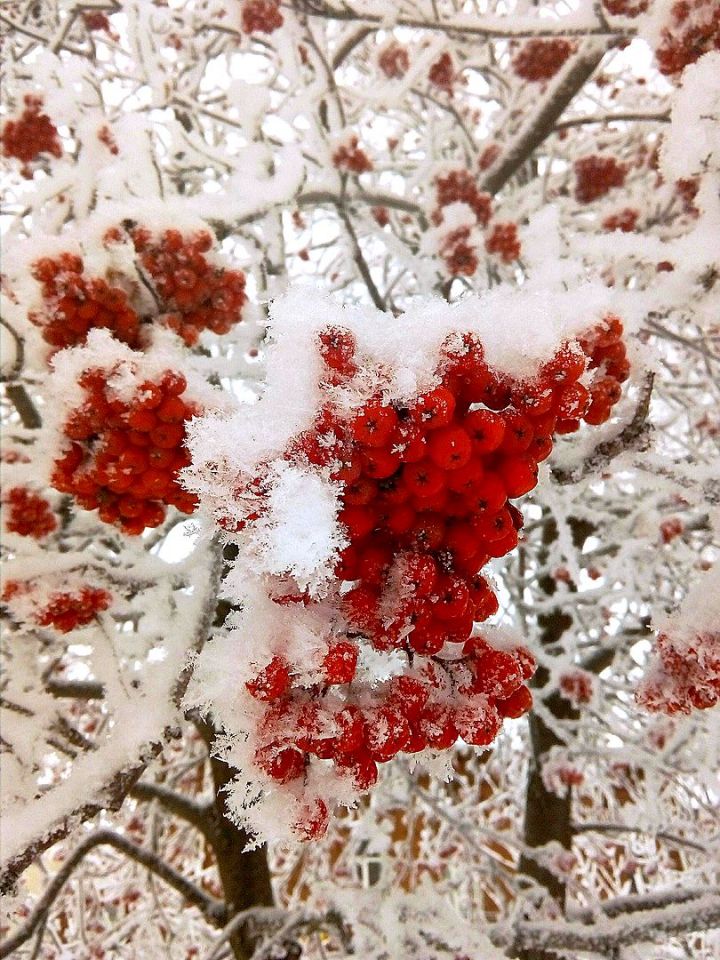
[
  {"x": 625, "y": 220},
  {"x": 33, "y": 133},
  {"x": 596, "y": 176},
  {"x": 350, "y": 157},
  {"x": 394, "y": 60},
  {"x": 261, "y": 16},
  {"x": 400, "y": 496},
  {"x": 684, "y": 674},
  {"x": 125, "y": 452},
  {"x": 692, "y": 30},
  {"x": 541, "y": 59},
  {"x": 442, "y": 73},
  {"x": 503, "y": 240},
  {"x": 195, "y": 293},
  {"x": 577, "y": 686},
  {"x": 74, "y": 304},
  {"x": 190, "y": 293},
  {"x": 62, "y": 609},
  {"x": 28, "y": 514},
  {"x": 626, "y": 8},
  {"x": 459, "y": 186}
]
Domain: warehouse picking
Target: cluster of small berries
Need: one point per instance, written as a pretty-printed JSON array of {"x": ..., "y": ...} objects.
[
  {"x": 351, "y": 157},
  {"x": 467, "y": 698},
  {"x": 577, "y": 686},
  {"x": 626, "y": 220},
  {"x": 607, "y": 355},
  {"x": 74, "y": 304},
  {"x": 425, "y": 504},
  {"x": 68, "y": 611},
  {"x": 65, "y": 610},
  {"x": 30, "y": 515},
  {"x": 687, "y": 188},
  {"x": 261, "y": 16},
  {"x": 687, "y": 676},
  {"x": 459, "y": 186},
  {"x": 442, "y": 73},
  {"x": 96, "y": 20},
  {"x": 124, "y": 456},
  {"x": 541, "y": 59},
  {"x": 459, "y": 253},
  {"x": 503, "y": 241},
  {"x": 196, "y": 294},
  {"x": 595, "y": 176},
  {"x": 394, "y": 60},
  {"x": 30, "y": 135},
  {"x": 693, "y": 31},
  {"x": 626, "y": 8}
]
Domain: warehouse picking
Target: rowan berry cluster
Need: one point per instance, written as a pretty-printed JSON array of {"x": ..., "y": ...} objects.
[
  {"x": 541, "y": 59},
  {"x": 74, "y": 304},
  {"x": 687, "y": 676},
  {"x": 68, "y": 611},
  {"x": 595, "y": 176},
  {"x": 32, "y": 134},
  {"x": 425, "y": 504},
  {"x": 693, "y": 30},
  {"x": 261, "y": 16},
  {"x": 30, "y": 515},
  {"x": 625, "y": 220},
  {"x": 459, "y": 186},
  {"x": 626, "y": 8},
  {"x": 195, "y": 294},
  {"x": 468, "y": 698},
  {"x": 124, "y": 455},
  {"x": 459, "y": 253},
  {"x": 351, "y": 157},
  {"x": 442, "y": 73},
  {"x": 96, "y": 20},
  {"x": 503, "y": 240},
  {"x": 607, "y": 356},
  {"x": 577, "y": 686},
  {"x": 394, "y": 60}
]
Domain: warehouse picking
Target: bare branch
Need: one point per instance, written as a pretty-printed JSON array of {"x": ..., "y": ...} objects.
[
  {"x": 198, "y": 814},
  {"x": 212, "y": 909}
]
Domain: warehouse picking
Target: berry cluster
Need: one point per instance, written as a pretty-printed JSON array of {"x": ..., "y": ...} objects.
[
  {"x": 595, "y": 176},
  {"x": 459, "y": 186},
  {"x": 125, "y": 456},
  {"x": 394, "y": 60},
  {"x": 74, "y": 304},
  {"x": 442, "y": 73},
  {"x": 687, "y": 676},
  {"x": 68, "y": 611},
  {"x": 541, "y": 59},
  {"x": 96, "y": 20},
  {"x": 195, "y": 294},
  {"x": 626, "y": 220},
  {"x": 468, "y": 698},
  {"x": 261, "y": 16},
  {"x": 577, "y": 686},
  {"x": 350, "y": 156},
  {"x": 693, "y": 31},
  {"x": 686, "y": 188},
  {"x": 425, "y": 504},
  {"x": 30, "y": 515},
  {"x": 458, "y": 252},
  {"x": 626, "y": 8},
  {"x": 30, "y": 135},
  {"x": 503, "y": 240},
  {"x": 65, "y": 610}
]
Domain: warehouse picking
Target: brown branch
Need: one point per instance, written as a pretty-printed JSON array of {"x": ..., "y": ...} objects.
[
  {"x": 568, "y": 83},
  {"x": 197, "y": 814},
  {"x": 660, "y": 835},
  {"x": 360, "y": 261},
  {"x": 212, "y": 909},
  {"x": 75, "y": 689},
  {"x": 27, "y": 411}
]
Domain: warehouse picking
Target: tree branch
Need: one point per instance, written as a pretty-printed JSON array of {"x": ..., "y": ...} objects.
[
  {"x": 567, "y": 84},
  {"x": 212, "y": 909},
  {"x": 198, "y": 814}
]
